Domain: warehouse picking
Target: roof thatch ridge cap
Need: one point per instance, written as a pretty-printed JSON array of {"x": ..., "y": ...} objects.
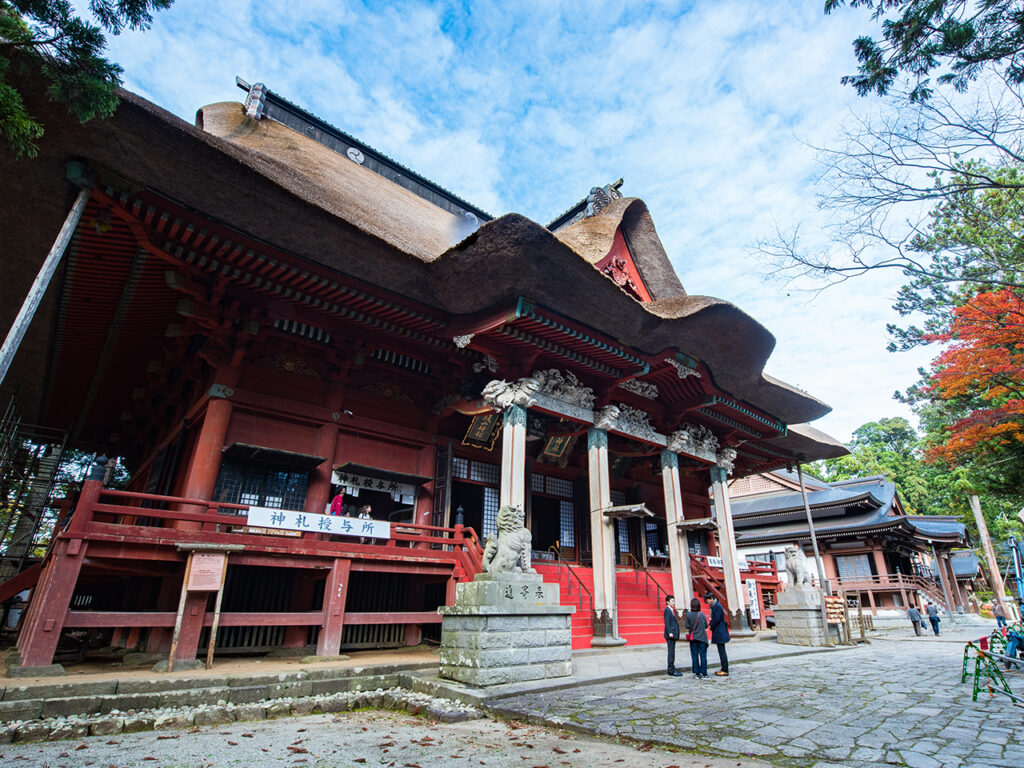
[
  {"x": 423, "y": 237},
  {"x": 355, "y": 140}
]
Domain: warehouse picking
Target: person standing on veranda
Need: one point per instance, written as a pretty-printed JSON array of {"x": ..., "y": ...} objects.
[
  {"x": 719, "y": 633},
  {"x": 671, "y": 635}
]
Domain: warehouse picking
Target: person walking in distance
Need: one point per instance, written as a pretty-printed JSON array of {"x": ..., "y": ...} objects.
[
  {"x": 697, "y": 634},
  {"x": 999, "y": 611},
  {"x": 915, "y": 618},
  {"x": 719, "y": 633},
  {"x": 933, "y": 616},
  {"x": 671, "y": 634}
]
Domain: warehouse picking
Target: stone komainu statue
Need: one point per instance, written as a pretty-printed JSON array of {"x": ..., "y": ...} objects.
[
  {"x": 795, "y": 568},
  {"x": 508, "y": 551}
]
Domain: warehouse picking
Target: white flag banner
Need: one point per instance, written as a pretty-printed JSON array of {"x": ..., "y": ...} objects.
[{"x": 292, "y": 520}]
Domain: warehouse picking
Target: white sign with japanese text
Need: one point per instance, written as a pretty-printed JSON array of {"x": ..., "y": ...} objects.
[
  {"x": 716, "y": 562},
  {"x": 292, "y": 520},
  {"x": 350, "y": 480},
  {"x": 755, "y": 606}
]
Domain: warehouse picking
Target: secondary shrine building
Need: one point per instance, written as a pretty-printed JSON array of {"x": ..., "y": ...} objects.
[{"x": 326, "y": 374}]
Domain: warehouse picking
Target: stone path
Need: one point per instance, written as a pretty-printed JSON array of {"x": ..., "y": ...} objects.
[
  {"x": 894, "y": 702},
  {"x": 353, "y": 740}
]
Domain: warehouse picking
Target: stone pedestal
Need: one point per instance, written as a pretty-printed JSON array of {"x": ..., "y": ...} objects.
[
  {"x": 505, "y": 628},
  {"x": 798, "y": 617}
]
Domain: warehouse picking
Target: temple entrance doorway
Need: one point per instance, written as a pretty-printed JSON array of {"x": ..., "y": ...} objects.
[
  {"x": 544, "y": 523},
  {"x": 479, "y": 504}
]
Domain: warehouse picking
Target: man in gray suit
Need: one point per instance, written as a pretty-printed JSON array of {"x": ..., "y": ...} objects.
[{"x": 671, "y": 634}]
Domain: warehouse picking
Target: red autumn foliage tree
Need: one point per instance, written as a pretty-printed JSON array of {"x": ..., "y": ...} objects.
[{"x": 982, "y": 372}]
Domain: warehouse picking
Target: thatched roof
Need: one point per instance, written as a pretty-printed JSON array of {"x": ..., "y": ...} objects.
[{"x": 277, "y": 185}]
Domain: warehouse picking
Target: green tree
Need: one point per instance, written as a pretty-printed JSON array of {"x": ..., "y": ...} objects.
[
  {"x": 890, "y": 447},
  {"x": 46, "y": 35},
  {"x": 961, "y": 37}
]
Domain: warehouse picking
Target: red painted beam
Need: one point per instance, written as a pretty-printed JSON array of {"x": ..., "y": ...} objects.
[
  {"x": 90, "y": 619},
  {"x": 373, "y": 567},
  {"x": 412, "y": 617},
  {"x": 292, "y": 619},
  {"x": 23, "y": 580}
]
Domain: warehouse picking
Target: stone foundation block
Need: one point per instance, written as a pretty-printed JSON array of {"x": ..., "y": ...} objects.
[
  {"x": 248, "y": 695},
  {"x": 248, "y": 712},
  {"x": 107, "y": 726},
  {"x": 133, "y": 701},
  {"x": 214, "y": 716},
  {"x": 65, "y": 707},
  {"x": 32, "y": 732},
  {"x": 278, "y": 709},
  {"x": 139, "y": 723},
  {"x": 69, "y": 731},
  {"x": 20, "y": 710},
  {"x": 303, "y": 707},
  {"x": 58, "y": 690},
  {"x": 173, "y": 721}
]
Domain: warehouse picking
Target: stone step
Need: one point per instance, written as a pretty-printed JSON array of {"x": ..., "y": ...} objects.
[{"x": 29, "y": 702}]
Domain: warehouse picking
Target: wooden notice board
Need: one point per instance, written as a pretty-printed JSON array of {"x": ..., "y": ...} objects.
[{"x": 207, "y": 571}]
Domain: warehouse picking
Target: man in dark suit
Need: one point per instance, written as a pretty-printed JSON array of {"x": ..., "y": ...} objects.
[
  {"x": 719, "y": 632},
  {"x": 671, "y": 634}
]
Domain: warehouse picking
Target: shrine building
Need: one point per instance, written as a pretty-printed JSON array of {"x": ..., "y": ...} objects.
[
  {"x": 870, "y": 548},
  {"x": 325, "y": 374}
]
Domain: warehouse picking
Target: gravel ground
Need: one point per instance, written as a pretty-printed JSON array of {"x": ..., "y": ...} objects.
[{"x": 354, "y": 740}]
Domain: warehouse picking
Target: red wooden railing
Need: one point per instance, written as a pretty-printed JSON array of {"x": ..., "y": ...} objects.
[{"x": 104, "y": 512}]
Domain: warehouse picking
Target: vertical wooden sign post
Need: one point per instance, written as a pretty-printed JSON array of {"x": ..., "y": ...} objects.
[{"x": 205, "y": 571}]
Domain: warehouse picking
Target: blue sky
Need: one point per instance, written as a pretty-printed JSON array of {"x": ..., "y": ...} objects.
[{"x": 708, "y": 110}]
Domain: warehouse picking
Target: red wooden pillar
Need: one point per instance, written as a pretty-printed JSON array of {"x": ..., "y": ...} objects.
[
  {"x": 871, "y": 600},
  {"x": 159, "y": 640},
  {"x": 414, "y": 632},
  {"x": 191, "y": 625},
  {"x": 319, "y": 493},
  {"x": 301, "y": 600},
  {"x": 51, "y": 597},
  {"x": 335, "y": 593},
  {"x": 204, "y": 466}
]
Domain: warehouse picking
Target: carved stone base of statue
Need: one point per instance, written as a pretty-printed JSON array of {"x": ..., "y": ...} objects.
[
  {"x": 505, "y": 628},
  {"x": 798, "y": 617}
]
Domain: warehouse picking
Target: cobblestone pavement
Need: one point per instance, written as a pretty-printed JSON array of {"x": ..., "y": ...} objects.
[{"x": 895, "y": 702}]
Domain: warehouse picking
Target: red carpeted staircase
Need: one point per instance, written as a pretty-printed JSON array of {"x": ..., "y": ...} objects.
[
  {"x": 581, "y": 629},
  {"x": 641, "y": 616}
]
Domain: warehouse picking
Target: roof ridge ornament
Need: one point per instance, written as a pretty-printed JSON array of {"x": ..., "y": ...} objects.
[
  {"x": 725, "y": 459},
  {"x": 682, "y": 369},
  {"x": 693, "y": 438},
  {"x": 502, "y": 394},
  {"x": 565, "y": 387},
  {"x": 637, "y": 422},
  {"x": 487, "y": 363},
  {"x": 600, "y": 198},
  {"x": 256, "y": 101},
  {"x": 606, "y": 417},
  {"x": 642, "y": 388}
]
